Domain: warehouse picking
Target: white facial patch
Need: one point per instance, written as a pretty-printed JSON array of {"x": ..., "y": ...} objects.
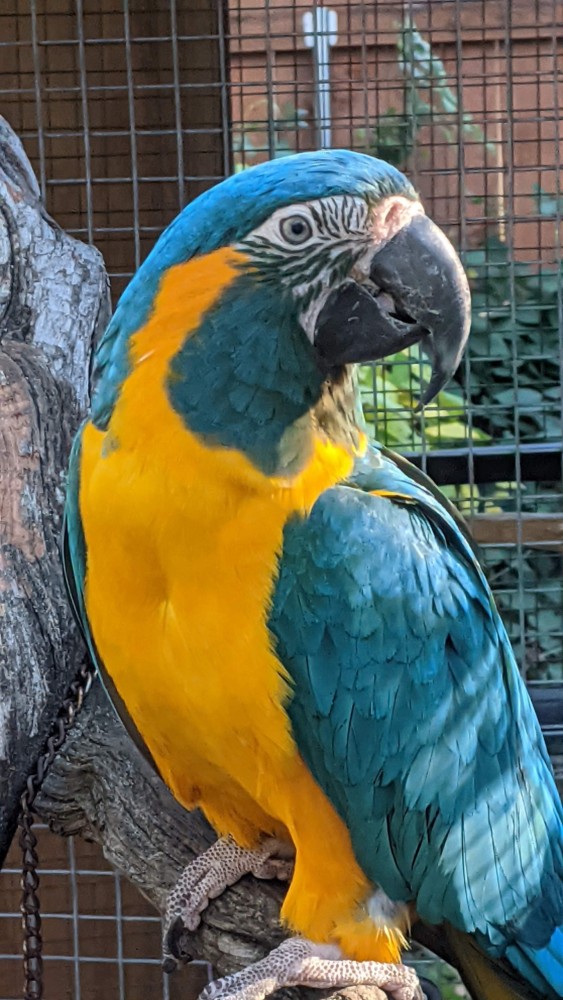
[
  {"x": 313, "y": 246},
  {"x": 332, "y": 220}
]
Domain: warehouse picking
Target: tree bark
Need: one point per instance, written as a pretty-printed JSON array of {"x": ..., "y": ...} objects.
[{"x": 53, "y": 301}]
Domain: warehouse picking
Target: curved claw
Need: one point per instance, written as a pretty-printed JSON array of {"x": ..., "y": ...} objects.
[
  {"x": 223, "y": 864},
  {"x": 175, "y": 946}
]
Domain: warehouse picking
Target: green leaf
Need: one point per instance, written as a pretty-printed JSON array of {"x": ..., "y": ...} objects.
[
  {"x": 447, "y": 99},
  {"x": 528, "y": 315}
]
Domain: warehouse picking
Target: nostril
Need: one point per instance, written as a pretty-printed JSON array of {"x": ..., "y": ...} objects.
[
  {"x": 393, "y": 215},
  {"x": 390, "y": 216}
]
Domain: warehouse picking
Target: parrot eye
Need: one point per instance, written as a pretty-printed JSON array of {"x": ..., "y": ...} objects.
[{"x": 296, "y": 229}]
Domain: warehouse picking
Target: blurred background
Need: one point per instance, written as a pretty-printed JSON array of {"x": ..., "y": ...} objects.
[{"x": 130, "y": 108}]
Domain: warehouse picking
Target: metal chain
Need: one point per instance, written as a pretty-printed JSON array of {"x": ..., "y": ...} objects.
[{"x": 30, "y": 909}]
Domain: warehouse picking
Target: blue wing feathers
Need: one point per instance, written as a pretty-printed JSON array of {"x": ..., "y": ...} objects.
[
  {"x": 426, "y": 740},
  {"x": 548, "y": 961}
]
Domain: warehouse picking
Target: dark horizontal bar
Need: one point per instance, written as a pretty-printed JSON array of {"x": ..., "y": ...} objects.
[
  {"x": 492, "y": 464},
  {"x": 548, "y": 703}
]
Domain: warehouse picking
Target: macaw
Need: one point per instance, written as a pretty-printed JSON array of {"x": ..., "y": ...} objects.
[{"x": 290, "y": 620}]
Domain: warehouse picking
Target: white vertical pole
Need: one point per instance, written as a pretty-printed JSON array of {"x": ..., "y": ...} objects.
[{"x": 320, "y": 27}]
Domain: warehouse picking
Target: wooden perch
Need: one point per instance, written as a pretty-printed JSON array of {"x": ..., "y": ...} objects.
[{"x": 53, "y": 301}]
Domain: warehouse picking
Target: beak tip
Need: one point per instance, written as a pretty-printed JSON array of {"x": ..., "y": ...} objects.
[
  {"x": 421, "y": 272},
  {"x": 442, "y": 371}
]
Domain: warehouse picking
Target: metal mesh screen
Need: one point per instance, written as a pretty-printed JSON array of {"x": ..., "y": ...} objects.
[
  {"x": 117, "y": 105},
  {"x": 102, "y": 939},
  {"x": 129, "y": 108}
]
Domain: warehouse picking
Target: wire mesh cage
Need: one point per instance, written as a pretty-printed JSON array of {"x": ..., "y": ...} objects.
[{"x": 129, "y": 108}]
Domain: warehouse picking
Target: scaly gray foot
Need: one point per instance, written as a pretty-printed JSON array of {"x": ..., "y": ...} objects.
[
  {"x": 298, "y": 962},
  {"x": 223, "y": 864}
]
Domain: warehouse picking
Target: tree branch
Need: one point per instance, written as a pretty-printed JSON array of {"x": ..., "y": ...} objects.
[{"x": 53, "y": 301}]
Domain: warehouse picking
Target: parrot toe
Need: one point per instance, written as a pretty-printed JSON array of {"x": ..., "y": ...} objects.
[
  {"x": 223, "y": 864},
  {"x": 298, "y": 962}
]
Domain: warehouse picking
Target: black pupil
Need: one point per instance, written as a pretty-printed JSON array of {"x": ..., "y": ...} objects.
[{"x": 298, "y": 227}]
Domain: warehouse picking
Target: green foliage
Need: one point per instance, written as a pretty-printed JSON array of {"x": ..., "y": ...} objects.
[
  {"x": 549, "y": 205},
  {"x": 443, "y": 976},
  {"x": 514, "y": 392},
  {"x": 423, "y": 70},
  {"x": 514, "y": 381},
  {"x": 528, "y": 586},
  {"x": 427, "y": 100},
  {"x": 514, "y": 388},
  {"x": 392, "y": 136},
  {"x": 388, "y": 391}
]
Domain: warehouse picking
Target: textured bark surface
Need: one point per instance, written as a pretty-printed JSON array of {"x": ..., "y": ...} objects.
[{"x": 53, "y": 301}]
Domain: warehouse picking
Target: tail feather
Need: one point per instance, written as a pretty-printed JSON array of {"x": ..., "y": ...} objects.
[
  {"x": 543, "y": 966},
  {"x": 532, "y": 976},
  {"x": 488, "y": 978}
]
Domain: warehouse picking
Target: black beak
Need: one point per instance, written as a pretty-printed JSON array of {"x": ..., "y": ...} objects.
[{"x": 417, "y": 292}]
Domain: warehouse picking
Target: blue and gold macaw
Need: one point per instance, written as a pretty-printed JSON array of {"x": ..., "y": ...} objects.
[{"x": 291, "y": 621}]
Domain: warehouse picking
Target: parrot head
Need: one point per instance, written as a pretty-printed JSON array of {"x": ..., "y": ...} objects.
[{"x": 333, "y": 262}]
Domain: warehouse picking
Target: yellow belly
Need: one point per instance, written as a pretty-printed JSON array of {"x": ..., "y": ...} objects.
[{"x": 182, "y": 543}]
